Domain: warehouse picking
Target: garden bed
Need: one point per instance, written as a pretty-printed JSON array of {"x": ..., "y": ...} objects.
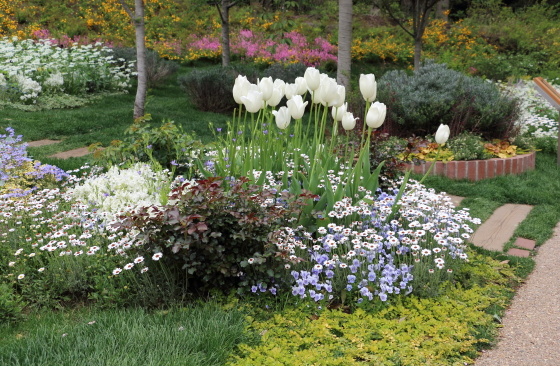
[{"x": 475, "y": 170}]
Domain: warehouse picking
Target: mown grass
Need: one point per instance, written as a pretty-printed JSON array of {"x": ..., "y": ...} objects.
[{"x": 201, "y": 335}]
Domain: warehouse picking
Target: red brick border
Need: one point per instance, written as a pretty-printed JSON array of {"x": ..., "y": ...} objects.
[{"x": 474, "y": 170}]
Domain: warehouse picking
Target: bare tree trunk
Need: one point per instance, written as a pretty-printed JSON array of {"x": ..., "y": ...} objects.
[
  {"x": 417, "y": 52},
  {"x": 225, "y": 33},
  {"x": 137, "y": 19},
  {"x": 441, "y": 7},
  {"x": 344, "y": 42}
]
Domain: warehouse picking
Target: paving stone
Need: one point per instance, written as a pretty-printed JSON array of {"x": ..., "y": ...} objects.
[
  {"x": 82, "y": 151},
  {"x": 499, "y": 228},
  {"x": 519, "y": 252},
  {"x": 456, "y": 200},
  {"x": 42, "y": 143},
  {"x": 525, "y": 243}
]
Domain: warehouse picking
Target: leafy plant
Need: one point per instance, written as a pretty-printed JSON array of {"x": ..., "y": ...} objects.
[
  {"x": 166, "y": 145},
  {"x": 219, "y": 239},
  {"x": 11, "y": 304},
  {"x": 468, "y": 146}
]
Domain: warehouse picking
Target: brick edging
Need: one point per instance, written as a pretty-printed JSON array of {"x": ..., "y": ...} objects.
[{"x": 474, "y": 170}]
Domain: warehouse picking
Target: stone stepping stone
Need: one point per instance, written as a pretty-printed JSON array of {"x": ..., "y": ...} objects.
[
  {"x": 456, "y": 200},
  {"x": 499, "y": 228},
  {"x": 82, "y": 151},
  {"x": 519, "y": 252},
  {"x": 525, "y": 243},
  {"x": 42, "y": 143}
]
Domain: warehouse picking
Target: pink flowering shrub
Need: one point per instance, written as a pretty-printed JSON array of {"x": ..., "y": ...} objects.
[
  {"x": 248, "y": 45},
  {"x": 66, "y": 41}
]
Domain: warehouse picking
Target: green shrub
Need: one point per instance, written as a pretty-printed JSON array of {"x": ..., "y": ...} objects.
[
  {"x": 288, "y": 73},
  {"x": 434, "y": 94},
  {"x": 210, "y": 90},
  {"x": 218, "y": 239}
]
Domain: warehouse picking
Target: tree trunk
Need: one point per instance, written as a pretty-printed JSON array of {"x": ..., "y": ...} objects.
[
  {"x": 140, "y": 101},
  {"x": 137, "y": 19},
  {"x": 344, "y": 42},
  {"x": 417, "y": 52},
  {"x": 225, "y": 33}
]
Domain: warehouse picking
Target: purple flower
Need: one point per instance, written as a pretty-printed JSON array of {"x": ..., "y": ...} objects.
[
  {"x": 173, "y": 162},
  {"x": 219, "y": 129}
]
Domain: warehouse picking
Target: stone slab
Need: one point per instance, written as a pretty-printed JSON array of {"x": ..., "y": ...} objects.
[
  {"x": 499, "y": 228},
  {"x": 82, "y": 151},
  {"x": 456, "y": 200},
  {"x": 42, "y": 143},
  {"x": 519, "y": 252},
  {"x": 525, "y": 243}
]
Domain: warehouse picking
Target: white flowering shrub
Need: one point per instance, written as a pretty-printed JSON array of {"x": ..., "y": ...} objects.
[
  {"x": 35, "y": 68},
  {"x": 120, "y": 190}
]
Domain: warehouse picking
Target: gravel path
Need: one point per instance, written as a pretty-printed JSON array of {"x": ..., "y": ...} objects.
[{"x": 531, "y": 332}]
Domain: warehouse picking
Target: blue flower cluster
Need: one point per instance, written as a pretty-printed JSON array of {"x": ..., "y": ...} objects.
[{"x": 13, "y": 155}]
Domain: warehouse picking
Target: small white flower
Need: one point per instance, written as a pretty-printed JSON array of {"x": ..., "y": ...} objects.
[
  {"x": 129, "y": 266},
  {"x": 21, "y": 276},
  {"x": 116, "y": 271},
  {"x": 139, "y": 260},
  {"x": 41, "y": 269},
  {"x": 157, "y": 256}
]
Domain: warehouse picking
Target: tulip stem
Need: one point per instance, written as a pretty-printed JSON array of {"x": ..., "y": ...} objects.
[
  {"x": 432, "y": 165},
  {"x": 364, "y": 123}
]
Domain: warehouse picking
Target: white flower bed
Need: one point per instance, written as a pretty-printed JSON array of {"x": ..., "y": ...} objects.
[
  {"x": 538, "y": 117},
  {"x": 30, "y": 68}
]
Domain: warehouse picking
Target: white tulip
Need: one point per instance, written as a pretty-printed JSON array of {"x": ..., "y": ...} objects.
[
  {"x": 341, "y": 95},
  {"x": 348, "y": 121},
  {"x": 277, "y": 95},
  {"x": 442, "y": 134},
  {"x": 265, "y": 87},
  {"x": 296, "y": 106},
  {"x": 240, "y": 88},
  {"x": 282, "y": 117},
  {"x": 328, "y": 91},
  {"x": 253, "y": 102},
  {"x": 376, "y": 115},
  {"x": 280, "y": 84},
  {"x": 291, "y": 90},
  {"x": 312, "y": 78},
  {"x": 368, "y": 87},
  {"x": 337, "y": 113},
  {"x": 302, "y": 85}
]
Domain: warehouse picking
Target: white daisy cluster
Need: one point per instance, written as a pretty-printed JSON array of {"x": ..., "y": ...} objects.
[
  {"x": 537, "y": 117},
  {"x": 31, "y": 68}
]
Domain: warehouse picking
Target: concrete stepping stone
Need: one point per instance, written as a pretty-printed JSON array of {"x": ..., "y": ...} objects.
[
  {"x": 519, "y": 252},
  {"x": 499, "y": 228},
  {"x": 42, "y": 143},
  {"x": 82, "y": 151}
]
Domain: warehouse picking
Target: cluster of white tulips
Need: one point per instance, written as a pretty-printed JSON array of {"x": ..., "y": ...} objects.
[{"x": 323, "y": 89}]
